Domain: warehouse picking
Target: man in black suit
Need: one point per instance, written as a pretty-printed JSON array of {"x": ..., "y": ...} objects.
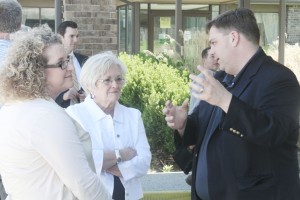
[
  {"x": 246, "y": 131},
  {"x": 69, "y": 32}
]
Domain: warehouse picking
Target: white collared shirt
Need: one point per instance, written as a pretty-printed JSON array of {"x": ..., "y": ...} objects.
[
  {"x": 125, "y": 129},
  {"x": 4, "y": 45},
  {"x": 77, "y": 68}
]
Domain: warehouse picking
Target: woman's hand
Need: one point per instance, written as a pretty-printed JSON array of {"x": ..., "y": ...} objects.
[
  {"x": 127, "y": 153},
  {"x": 114, "y": 170}
]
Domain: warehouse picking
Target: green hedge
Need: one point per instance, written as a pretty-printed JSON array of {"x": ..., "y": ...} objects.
[{"x": 149, "y": 84}]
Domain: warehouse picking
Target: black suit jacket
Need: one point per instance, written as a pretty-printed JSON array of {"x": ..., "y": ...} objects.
[
  {"x": 59, "y": 100},
  {"x": 252, "y": 154}
]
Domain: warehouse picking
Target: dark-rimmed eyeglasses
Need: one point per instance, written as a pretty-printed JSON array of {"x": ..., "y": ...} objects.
[
  {"x": 109, "y": 81},
  {"x": 62, "y": 64}
]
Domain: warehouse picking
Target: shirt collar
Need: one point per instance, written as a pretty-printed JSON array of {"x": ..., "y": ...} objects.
[
  {"x": 97, "y": 113},
  {"x": 231, "y": 80}
]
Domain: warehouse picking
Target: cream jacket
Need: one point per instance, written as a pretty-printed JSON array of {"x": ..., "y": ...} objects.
[{"x": 42, "y": 157}]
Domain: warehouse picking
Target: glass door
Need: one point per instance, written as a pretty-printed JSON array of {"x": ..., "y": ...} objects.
[
  {"x": 194, "y": 23},
  {"x": 162, "y": 28},
  {"x": 194, "y": 40},
  {"x": 163, "y": 33}
]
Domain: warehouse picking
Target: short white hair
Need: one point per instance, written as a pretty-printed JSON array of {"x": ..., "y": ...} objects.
[{"x": 97, "y": 66}]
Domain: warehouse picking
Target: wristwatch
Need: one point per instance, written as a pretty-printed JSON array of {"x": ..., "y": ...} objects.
[{"x": 118, "y": 156}]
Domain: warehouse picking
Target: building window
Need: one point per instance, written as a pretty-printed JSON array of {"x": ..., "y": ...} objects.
[
  {"x": 35, "y": 16},
  {"x": 125, "y": 32},
  {"x": 144, "y": 27},
  {"x": 268, "y": 24}
]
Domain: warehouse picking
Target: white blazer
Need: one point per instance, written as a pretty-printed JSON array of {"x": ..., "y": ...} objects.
[{"x": 125, "y": 129}]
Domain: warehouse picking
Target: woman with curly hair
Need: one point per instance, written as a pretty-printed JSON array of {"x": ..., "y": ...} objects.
[{"x": 43, "y": 153}]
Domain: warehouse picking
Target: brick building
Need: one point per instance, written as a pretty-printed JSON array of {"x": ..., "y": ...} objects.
[{"x": 97, "y": 21}]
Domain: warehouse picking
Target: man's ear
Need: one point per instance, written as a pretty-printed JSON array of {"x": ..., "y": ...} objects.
[{"x": 235, "y": 38}]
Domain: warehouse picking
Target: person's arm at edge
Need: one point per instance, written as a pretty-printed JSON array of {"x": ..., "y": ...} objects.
[{"x": 67, "y": 158}]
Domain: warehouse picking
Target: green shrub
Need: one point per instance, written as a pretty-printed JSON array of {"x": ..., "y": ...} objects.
[
  {"x": 149, "y": 84},
  {"x": 168, "y": 168},
  {"x": 169, "y": 58}
]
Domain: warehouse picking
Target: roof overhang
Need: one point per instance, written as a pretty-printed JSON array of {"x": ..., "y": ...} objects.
[{"x": 276, "y": 2}]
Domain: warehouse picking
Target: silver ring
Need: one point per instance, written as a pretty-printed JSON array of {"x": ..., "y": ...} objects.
[{"x": 202, "y": 90}]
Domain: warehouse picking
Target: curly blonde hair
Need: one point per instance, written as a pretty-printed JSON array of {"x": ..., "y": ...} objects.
[{"x": 23, "y": 74}]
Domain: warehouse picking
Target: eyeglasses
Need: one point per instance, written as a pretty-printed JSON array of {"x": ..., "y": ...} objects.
[
  {"x": 63, "y": 64},
  {"x": 109, "y": 81}
]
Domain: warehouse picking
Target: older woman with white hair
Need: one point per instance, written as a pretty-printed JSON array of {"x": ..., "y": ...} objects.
[
  {"x": 42, "y": 154},
  {"x": 120, "y": 148}
]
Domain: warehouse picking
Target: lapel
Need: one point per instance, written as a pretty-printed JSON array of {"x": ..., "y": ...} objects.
[
  {"x": 249, "y": 73},
  {"x": 206, "y": 113},
  {"x": 80, "y": 58},
  {"x": 118, "y": 114},
  {"x": 214, "y": 121}
]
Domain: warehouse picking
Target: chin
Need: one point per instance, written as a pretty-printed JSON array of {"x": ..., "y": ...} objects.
[
  {"x": 115, "y": 99},
  {"x": 68, "y": 86}
]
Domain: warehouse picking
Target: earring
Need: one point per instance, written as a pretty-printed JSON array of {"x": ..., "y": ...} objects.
[{"x": 92, "y": 96}]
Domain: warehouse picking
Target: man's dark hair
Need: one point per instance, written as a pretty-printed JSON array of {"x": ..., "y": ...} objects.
[
  {"x": 204, "y": 52},
  {"x": 64, "y": 25},
  {"x": 241, "y": 20}
]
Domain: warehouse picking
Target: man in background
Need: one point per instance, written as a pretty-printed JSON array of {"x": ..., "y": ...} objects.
[
  {"x": 209, "y": 62},
  {"x": 69, "y": 33},
  {"x": 10, "y": 22}
]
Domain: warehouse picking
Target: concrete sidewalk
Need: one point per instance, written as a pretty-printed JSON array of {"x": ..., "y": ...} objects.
[{"x": 171, "y": 181}]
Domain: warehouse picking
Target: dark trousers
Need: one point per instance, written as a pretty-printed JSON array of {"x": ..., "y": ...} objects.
[
  {"x": 2, "y": 191},
  {"x": 119, "y": 190}
]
